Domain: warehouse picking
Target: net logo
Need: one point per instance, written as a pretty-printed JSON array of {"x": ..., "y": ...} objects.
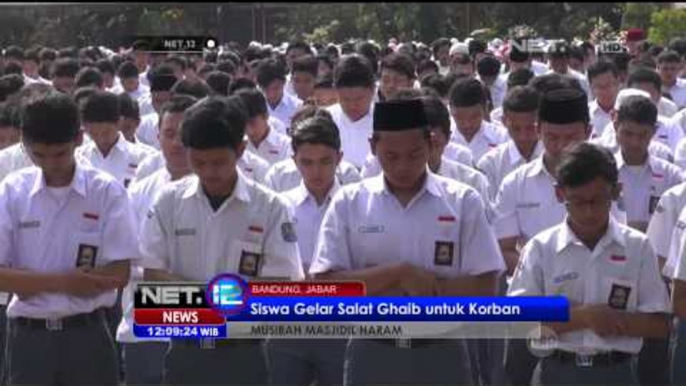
[{"x": 227, "y": 294}]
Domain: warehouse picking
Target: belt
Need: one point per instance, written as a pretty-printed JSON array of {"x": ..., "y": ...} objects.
[
  {"x": 210, "y": 343},
  {"x": 59, "y": 324},
  {"x": 408, "y": 343},
  {"x": 604, "y": 359}
]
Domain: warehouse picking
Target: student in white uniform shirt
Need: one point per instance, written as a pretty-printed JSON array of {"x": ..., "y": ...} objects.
[
  {"x": 468, "y": 109},
  {"x": 408, "y": 206},
  {"x": 397, "y": 72},
  {"x": 109, "y": 151},
  {"x": 520, "y": 116},
  {"x": 30, "y": 65},
  {"x": 558, "y": 60},
  {"x": 316, "y": 147},
  {"x": 608, "y": 139},
  {"x": 669, "y": 65},
  {"x": 519, "y": 77},
  {"x": 354, "y": 83},
  {"x": 161, "y": 84},
  {"x": 64, "y": 73},
  {"x": 488, "y": 69},
  {"x": 526, "y": 203},
  {"x": 284, "y": 175},
  {"x": 674, "y": 269},
  {"x": 604, "y": 79},
  {"x": 129, "y": 120},
  {"x": 439, "y": 124},
  {"x": 608, "y": 272},
  {"x": 263, "y": 140},
  {"x": 271, "y": 77},
  {"x": 65, "y": 247},
  {"x": 304, "y": 76},
  {"x": 130, "y": 83},
  {"x": 643, "y": 177},
  {"x": 649, "y": 80},
  {"x": 143, "y": 359},
  {"x": 229, "y": 218}
]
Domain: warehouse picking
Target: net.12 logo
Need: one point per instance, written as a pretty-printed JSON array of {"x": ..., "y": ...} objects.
[{"x": 227, "y": 294}]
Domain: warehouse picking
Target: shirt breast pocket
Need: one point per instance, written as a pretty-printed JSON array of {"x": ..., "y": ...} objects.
[{"x": 86, "y": 250}]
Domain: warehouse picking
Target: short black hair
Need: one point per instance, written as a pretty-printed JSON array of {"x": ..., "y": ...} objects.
[
  {"x": 600, "y": 67},
  {"x": 268, "y": 71},
  {"x": 476, "y": 46},
  {"x": 13, "y": 68},
  {"x": 435, "y": 82},
  {"x": 583, "y": 163},
  {"x": 80, "y": 94},
  {"x": 10, "y": 84},
  {"x": 437, "y": 113},
  {"x": 47, "y": 54},
  {"x": 678, "y": 44},
  {"x": 214, "y": 122},
  {"x": 207, "y": 68},
  {"x": 324, "y": 81},
  {"x": 128, "y": 107},
  {"x": 299, "y": 45},
  {"x": 50, "y": 118},
  {"x": 488, "y": 66},
  {"x": 240, "y": 84},
  {"x": 105, "y": 66},
  {"x": 644, "y": 75},
  {"x": 553, "y": 81},
  {"x": 254, "y": 101},
  {"x": 407, "y": 93},
  {"x": 219, "y": 82},
  {"x": 316, "y": 131},
  {"x": 127, "y": 70},
  {"x": 177, "y": 104},
  {"x": 400, "y": 63},
  {"x": 15, "y": 52},
  {"x": 68, "y": 52},
  {"x": 32, "y": 54},
  {"x": 101, "y": 106},
  {"x": 668, "y": 57},
  {"x": 327, "y": 60},
  {"x": 9, "y": 115},
  {"x": 638, "y": 109},
  {"x": 576, "y": 52},
  {"x": 519, "y": 77},
  {"x": 89, "y": 76},
  {"x": 196, "y": 88},
  {"x": 178, "y": 60},
  {"x": 308, "y": 64},
  {"x": 353, "y": 71},
  {"x": 427, "y": 65},
  {"x": 467, "y": 92},
  {"x": 521, "y": 99},
  {"x": 438, "y": 44},
  {"x": 226, "y": 66}
]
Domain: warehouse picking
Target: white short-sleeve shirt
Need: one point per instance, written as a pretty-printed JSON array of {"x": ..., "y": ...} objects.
[
  {"x": 621, "y": 269},
  {"x": 287, "y": 107},
  {"x": 284, "y": 175},
  {"x": 251, "y": 234},
  {"x": 642, "y": 186},
  {"x": 365, "y": 225},
  {"x": 354, "y": 135},
  {"x": 608, "y": 140},
  {"x": 501, "y": 161},
  {"x": 42, "y": 232},
  {"x": 121, "y": 162},
  {"x": 274, "y": 147},
  {"x": 665, "y": 217},
  {"x": 148, "y": 130},
  {"x": 488, "y": 137}
]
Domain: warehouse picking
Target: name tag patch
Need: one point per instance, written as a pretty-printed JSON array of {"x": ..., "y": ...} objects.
[
  {"x": 185, "y": 232},
  {"x": 566, "y": 277},
  {"x": 29, "y": 224},
  {"x": 528, "y": 205},
  {"x": 371, "y": 229}
]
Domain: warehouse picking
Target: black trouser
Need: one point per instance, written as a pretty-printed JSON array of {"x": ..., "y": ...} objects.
[
  {"x": 82, "y": 354},
  {"x": 653, "y": 362}
]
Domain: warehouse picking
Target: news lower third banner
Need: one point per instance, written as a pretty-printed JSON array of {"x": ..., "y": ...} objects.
[{"x": 230, "y": 307}]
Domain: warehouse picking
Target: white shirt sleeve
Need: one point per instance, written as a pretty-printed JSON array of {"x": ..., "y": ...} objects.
[
  {"x": 480, "y": 252},
  {"x": 154, "y": 232},
  {"x": 282, "y": 258},
  {"x": 119, "y": 230},
  {"x": 332, "y": 252},
  {"x": 661, "y": 225},
  {"x": 528, "y": 276},
  {"x": 6, "y": 228},
  {"x": 505, "y": 209},
  {"x": 652, "y": 291}
]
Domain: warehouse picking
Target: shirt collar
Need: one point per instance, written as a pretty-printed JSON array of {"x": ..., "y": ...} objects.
[
  {"x": 302, "y": 194},
  {"x": 567, "y": 237},
  {"x": 78, "y": 182},
  {"x": 240, "y": 190},
  {"x": 516, "y": 156},
  {"x": 378, "y": 184},
  {"x": 619, "y": 158}
]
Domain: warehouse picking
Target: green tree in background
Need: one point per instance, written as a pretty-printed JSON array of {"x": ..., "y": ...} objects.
[{"x": 666, "y": 25}]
